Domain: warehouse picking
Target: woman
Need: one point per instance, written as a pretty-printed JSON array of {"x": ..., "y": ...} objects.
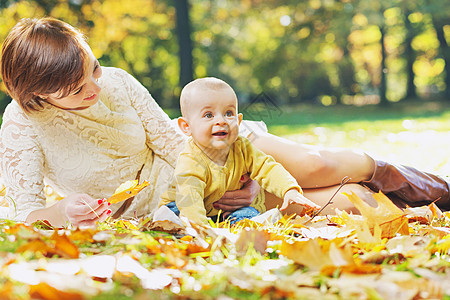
[{"x": 86, "y": 129}]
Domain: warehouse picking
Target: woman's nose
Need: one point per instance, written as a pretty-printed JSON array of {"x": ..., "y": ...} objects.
[{"x": 93, "y": 87}]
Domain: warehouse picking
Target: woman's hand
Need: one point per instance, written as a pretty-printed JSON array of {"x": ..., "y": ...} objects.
[
  {"x": 233, "y": 200},
  {"x": 83, "y": 210}
]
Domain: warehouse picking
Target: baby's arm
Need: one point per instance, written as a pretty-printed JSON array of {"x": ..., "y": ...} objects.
[
  {"x": 190, "y": 182},
  {"x": 294, "y": 196},
  {"x": 189, "y": 198}
]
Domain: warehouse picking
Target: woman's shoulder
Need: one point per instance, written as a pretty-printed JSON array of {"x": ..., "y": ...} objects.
[
  {"x": 114, "y": 73},
  {"x": 13, "y": 112},
  {"x": 116, "y": 78}
]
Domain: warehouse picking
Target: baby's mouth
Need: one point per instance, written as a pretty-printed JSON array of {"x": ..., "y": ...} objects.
[{"x": 220, "y": 133}]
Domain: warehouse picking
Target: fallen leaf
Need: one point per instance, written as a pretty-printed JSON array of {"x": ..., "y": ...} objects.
[
  {"x": 423, "y": 214},
  {"x": 351, "y": 269},
  {"x": 252, "y": 238},
  {"x": 386, "y": 215},
  {"x": 85, "y": 235},
  {"x": 64, "y": 247},
  {"x": 317, "y": 253},
  {"x": 47, "y": 292},
  {"x": 37, "y": 246},
  {"x": 165, "y": 226}
]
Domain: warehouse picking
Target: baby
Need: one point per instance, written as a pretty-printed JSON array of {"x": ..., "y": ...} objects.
[{"x": 216, "y": 157}]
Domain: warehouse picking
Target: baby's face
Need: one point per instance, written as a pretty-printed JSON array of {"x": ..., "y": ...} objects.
[{"x": 213, "y": 118}]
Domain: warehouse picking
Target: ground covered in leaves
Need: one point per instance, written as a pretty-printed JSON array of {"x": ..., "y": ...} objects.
[{"x": 386, "y": 253}]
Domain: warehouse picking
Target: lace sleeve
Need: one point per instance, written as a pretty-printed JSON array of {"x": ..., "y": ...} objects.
[
  {"x": 162, "y": 136},
  {"x": 21, "y": 165}
]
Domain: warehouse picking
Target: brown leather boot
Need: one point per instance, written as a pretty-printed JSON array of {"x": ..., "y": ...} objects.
[{"x": 407, "y": 186}]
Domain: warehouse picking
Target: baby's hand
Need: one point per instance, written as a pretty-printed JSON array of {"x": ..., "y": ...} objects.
[{"x": 294, "y": 196}]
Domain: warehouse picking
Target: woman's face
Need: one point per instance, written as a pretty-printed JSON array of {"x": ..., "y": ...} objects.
[{"x": 83, "y": 96}]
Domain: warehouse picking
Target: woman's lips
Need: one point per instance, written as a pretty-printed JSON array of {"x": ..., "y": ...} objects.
[{"x": 90, "y": 98}]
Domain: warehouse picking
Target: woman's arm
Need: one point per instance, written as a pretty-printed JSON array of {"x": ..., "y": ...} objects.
[
  {"x": 162, "y": 137},
  {"x": 233, "y": 200},
  {"x": 21, "y": 165},
  {"x": 77, "y": 209},
  {"x": 22, "y": 168}
]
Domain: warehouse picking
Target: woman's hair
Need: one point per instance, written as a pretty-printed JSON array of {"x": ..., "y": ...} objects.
[{"x": 41, "y": 57}]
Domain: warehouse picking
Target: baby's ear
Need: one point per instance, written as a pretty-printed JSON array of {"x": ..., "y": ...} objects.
[
  {"x": 184, "y": 126},
  {"x": 240, "y": 116}
]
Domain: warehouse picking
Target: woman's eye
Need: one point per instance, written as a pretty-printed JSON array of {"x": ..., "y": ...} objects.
[
  {"x": 78, "y": 91},
  {"x": 229, "y": 113},
  {"x": 97, "y": 67},
  {"x": 208, "y": 115}
]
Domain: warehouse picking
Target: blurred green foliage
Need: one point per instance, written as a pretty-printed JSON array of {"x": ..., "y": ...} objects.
[{"x": 315, "y": 51}]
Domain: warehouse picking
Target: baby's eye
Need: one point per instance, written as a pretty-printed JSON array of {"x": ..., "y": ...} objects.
[
  {"x": 208, "y": 115},
  {"x": 229, "y": 114}
]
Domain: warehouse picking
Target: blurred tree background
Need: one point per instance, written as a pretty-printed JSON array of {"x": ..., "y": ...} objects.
[{"x": 315, "y": 51}]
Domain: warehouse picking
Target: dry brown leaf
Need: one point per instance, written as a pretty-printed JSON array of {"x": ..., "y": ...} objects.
[
  {"x": 423, "y": 214},
  {"x": 317, "y": 253},
  {"x": 439, "y": 232},
  {"x": 47, "y": 292},
  {"x": 85, "y": 235},
  {"x": 386, "y": 215},
  {"x": 351, "y": 269},
  {"x": 36, "y": 246},
  {"x": 165, "y": 226},
  {"x": 132, "y": 190},
  {"x": 64, "y": 247}
]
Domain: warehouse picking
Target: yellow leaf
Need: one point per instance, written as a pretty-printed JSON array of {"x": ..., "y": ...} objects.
[
  {"x": 256, "y": 238},
  {"x": 64, "y": 247},
  {"x": 317, "y": 253},
  {"x": 127, "y": 190},
  {"x": 47, "y": 292},
  {"x": 352, "y": 269},
  {"x": 386, "y": 215}
]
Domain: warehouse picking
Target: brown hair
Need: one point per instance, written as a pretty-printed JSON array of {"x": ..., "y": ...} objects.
[{"x": 40, "y": 57}]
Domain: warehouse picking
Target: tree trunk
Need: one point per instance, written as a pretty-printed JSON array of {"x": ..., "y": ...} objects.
[
  {"x": 383, "y": 85},
  {"x": 410, "y": 58},
  {"x": 445, "y": 52},
  {"x": 184, "y": 41}
]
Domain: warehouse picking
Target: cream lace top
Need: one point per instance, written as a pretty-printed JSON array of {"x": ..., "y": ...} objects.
[{"x": 89, "y": 151}]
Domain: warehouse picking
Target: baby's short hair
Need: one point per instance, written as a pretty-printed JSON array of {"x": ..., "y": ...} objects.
[{"x": 207, "y": 83}]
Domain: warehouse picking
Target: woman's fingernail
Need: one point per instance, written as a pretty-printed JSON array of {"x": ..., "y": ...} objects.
[
  {"x": 242, "y": 177},
  {"x": 108, "y": 211},
  {"x": 109, "y": 203},
  {"x": 100, "y": 201}
]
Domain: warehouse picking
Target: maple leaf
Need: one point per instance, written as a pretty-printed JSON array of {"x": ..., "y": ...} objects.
[
  {"x": 317, "y": 253},
  {"x": 127, "y": 190},
  {"x": 85, "y": 235},
  {"x": 64, "y": 247},
  {"x": 36, "y": 246},
  {"x": 423, "y": 214},
  {"x": 351, "y": 269},
  {"x": 165, "y": 226},
  {"x": 44, "y": 291},
  {"x": 257, "y": 239},
  {"x": 386, "y": 215}
]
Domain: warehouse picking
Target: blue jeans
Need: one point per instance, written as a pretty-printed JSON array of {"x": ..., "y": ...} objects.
[{"x": 247, "y": 212}]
